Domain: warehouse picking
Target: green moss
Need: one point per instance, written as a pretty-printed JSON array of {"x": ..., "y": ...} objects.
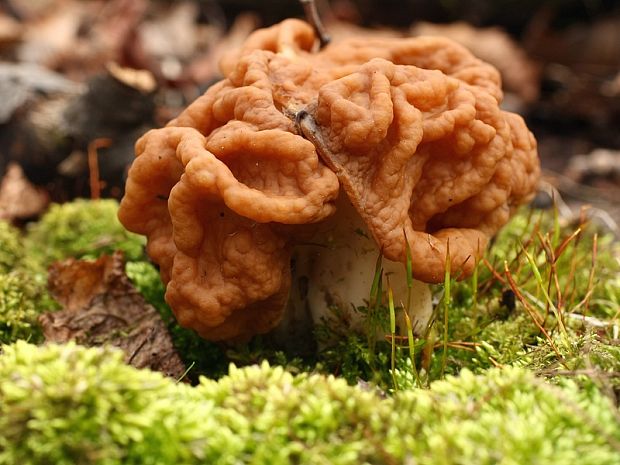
[
  {"x": 71, "y": 405},
  {"x": 145, "y": 278},
  {"x": 82, "y": 229},
  {"x": 590, "y": 357},
  {"x": 508, "y": 416},
  {"x": 20, "y": 305},
  {"x": 23, "y": 294},
  {"x": 11, "y": 249},
  {"x": 492, "y": 325}
]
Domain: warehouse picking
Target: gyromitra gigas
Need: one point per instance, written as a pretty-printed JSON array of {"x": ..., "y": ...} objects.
[{"x": 404, "y": 137}]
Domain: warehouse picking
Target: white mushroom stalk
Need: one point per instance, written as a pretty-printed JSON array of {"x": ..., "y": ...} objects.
[{"x": 334, "y": 274}]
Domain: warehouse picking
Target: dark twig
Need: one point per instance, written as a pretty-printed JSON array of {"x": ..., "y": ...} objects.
[
  {"x": 312, "y": 15},
  {"x": 140, "y": 347},
  {"x": 93, "y": 165},
  {"x": 307, "y": 127}
]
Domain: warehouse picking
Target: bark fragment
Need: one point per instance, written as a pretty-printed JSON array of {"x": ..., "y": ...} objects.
[{"x": 101, "y": 306}]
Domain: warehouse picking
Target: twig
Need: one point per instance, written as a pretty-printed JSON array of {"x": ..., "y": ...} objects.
[
  {"x": 308, "y": 128},
  {"x": 587, "y": 372},
  {"x": 493, "y": 271},
  {"x": 592, "y": 321},
  {"x": 140, "y": 346},
  {"x": 93, "y": 165},
  {"x": 312, "y": 15}
]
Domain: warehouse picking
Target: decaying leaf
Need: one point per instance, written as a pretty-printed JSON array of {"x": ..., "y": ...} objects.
[
  {"x": 20, "y": 199},
  {"x": 598, "y": 165},
  {"x": 101, "y": 306}
]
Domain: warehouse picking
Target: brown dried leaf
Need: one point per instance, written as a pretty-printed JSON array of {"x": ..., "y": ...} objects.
[
  {"x": 101, "y": 306},
  {"x": 20, "y": 199}
]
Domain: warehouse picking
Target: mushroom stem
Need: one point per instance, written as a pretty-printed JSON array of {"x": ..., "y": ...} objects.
[
  {"x": 338, "y": 269},
  {"x": 312, "y": 15}
]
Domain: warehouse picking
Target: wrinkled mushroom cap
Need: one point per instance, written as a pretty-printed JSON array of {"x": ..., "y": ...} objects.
[{"x": 411, "y": 129}]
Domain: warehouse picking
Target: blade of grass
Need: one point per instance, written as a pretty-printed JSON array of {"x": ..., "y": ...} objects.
[
  {"x": 553, "y": 282},
  {"x": 556, "y": 223},
  {"x": 562, "y": 247},
  {"x": 377, "y": 277},
  {"x": 474, "y": 285},
  {"x": 185, "y": 373},
  {"x": 411, "y": 343},
  {"x": 375, "y": 296},
  {"x": 446, "y": 306},
  {"x": 392, "y": 332},
  {"x": 409, "y": 270},
  {"x": 591, "y": 276},
  {"x": 427, "y": 352}
]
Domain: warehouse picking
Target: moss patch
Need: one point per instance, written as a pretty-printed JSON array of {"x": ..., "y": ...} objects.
[
  {"x": 68, "y": 405},
  {"x": 82, "y": 229}
]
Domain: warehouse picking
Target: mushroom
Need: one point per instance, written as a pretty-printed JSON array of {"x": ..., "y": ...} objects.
[{"x": 388, "y": 142}]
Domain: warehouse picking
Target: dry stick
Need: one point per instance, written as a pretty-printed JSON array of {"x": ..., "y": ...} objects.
[
  {"x": 493, "y": 271},
  {"x": 140, "y": 346},
  {"x": 307, "y": 127},
  {"x": 312, "y": 15},
  {"x": 93, "y": 165}
]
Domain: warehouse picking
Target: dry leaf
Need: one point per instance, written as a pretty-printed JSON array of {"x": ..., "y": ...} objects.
[
  {"x": 101, "y": 306},
  {"x": 20, "y": 199}
]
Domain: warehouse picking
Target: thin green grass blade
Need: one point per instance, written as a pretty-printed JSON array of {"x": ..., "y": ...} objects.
[
  {"x": 447, "y": 300},
  {"x": 392, "y": 332},
  {"x": 411, "y": 344},
  {"x": 377, "y": 278}
]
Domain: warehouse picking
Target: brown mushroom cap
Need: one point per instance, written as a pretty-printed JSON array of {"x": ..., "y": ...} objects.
[{"x": 411, "y": 128}]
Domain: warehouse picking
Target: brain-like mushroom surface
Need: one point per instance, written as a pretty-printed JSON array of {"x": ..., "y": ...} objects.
[{"x": 410, "y": 129}]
